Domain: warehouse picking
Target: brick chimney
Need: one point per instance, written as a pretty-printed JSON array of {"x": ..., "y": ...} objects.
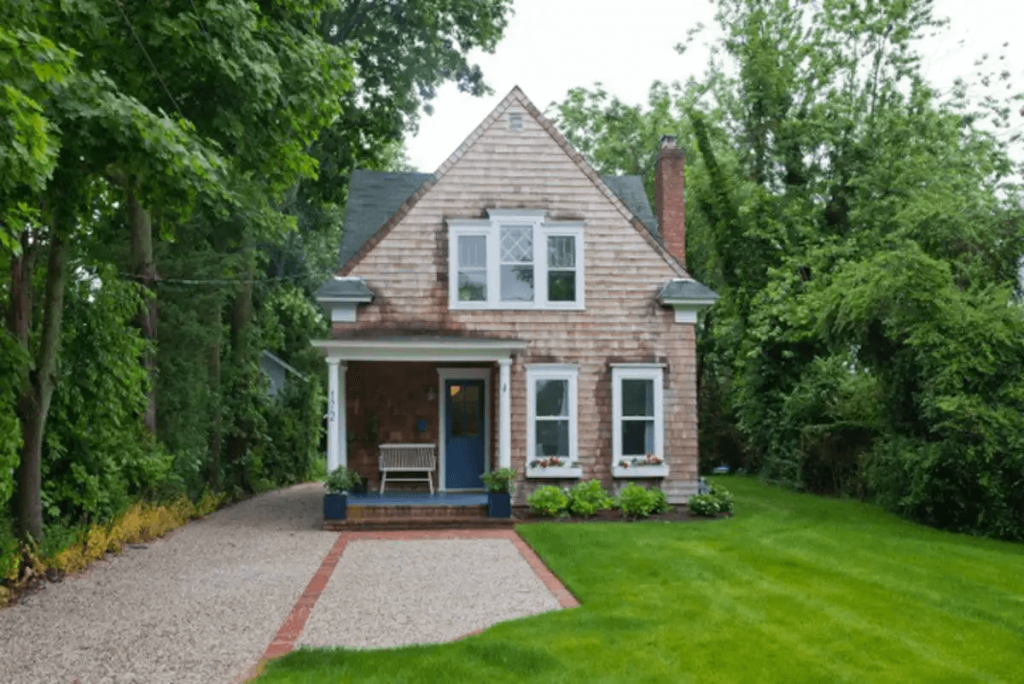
[{"x": 669, "y": 198}]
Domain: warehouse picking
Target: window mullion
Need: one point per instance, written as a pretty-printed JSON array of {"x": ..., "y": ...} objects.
[
  {"x": 540, "y": 265},
  {"x": 493, "y": 266}
]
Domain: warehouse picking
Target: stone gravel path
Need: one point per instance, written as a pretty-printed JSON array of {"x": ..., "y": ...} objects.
[
  {"x": 207, "y": 602},
  {"x": 393, "y": 593},
  {"x": 198, "y": 606}
]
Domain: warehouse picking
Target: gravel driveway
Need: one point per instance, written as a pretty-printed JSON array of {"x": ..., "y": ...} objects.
[{"x": 198, "y": 606}]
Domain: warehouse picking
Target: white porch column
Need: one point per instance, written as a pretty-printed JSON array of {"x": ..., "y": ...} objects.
[
  {"x": 332, "y": 414},
  {"x": 337, "y": 444},
  {"x": 504, "y": 416},
  {"x": 342, "y": 418}
]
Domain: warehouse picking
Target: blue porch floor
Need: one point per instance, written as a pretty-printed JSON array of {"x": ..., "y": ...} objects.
[{"x": 417, "y": 499}]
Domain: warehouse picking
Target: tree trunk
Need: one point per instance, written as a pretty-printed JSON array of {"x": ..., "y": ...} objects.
[
  {"x": 34, "y": 402},
  {"x": 145, "y": 269}
]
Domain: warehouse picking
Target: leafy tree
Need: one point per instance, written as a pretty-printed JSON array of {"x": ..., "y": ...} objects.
[{"x": 864, "y": 231}]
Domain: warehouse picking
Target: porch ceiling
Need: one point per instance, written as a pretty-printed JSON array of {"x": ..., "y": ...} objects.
[{"x": 418, "y": 349}]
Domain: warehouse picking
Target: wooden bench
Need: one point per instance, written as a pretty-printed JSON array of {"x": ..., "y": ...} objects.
[{"x": 407, "y": 458}]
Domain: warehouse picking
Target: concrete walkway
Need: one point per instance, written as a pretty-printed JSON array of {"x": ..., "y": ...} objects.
[{"x": 258, "y": 579}]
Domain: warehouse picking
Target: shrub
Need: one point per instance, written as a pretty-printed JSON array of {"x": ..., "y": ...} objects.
[
  {"x": 500, "y": 481},
  {"x": 636, "y": 501},
  {"x": 661, "y": 504},
  {"x": 587, "y": 498},
  {"x": 724, "y": 498},
  {"x": 548, "y": 501},
  {"x": 341, "y": 480},
  {"x": 704, "y": 504},
  {"x": 10, "y": 551}
]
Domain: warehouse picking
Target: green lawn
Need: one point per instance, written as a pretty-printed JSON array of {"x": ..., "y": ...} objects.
[{"x": 793, "y": 589}]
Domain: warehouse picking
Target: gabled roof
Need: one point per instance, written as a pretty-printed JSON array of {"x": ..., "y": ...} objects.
[
  {"x": 374, "y": 196},
  {"x": 686, "y": 291},
  {"x": 367, "y": 243},
  {"x": 630, "y": 190},
  {"x": 344, "y": 290},
  {"x": 275, "y": 359}
]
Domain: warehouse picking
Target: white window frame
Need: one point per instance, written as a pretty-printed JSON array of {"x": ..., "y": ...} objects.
[
  {"x": 552, "y": 372},
  {"x": 654, "y": 373},
  {"x": 490, "y": 228}
]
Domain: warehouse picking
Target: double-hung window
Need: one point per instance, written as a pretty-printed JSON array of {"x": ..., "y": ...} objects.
[
  {"x": 551, "y": 430},
  {"x": 638, "y": 421},
  {"x": 515, "y": 259}
]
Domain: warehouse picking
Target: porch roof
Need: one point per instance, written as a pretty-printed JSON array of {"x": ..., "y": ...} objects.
[{"x": 425, "y": 348}]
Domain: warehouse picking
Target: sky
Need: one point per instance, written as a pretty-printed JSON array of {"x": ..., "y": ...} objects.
[{"x": 551, "y": 46}]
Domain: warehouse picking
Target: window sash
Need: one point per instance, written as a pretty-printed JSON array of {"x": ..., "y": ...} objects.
[
  {"x": 562, "y": 425},
  {"x": 638, "y": 435}
]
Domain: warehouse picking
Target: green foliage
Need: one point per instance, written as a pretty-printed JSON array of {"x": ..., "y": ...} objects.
[
  {"x": 97, "y": 455},
  {"x": 294, "y": 425},
  {"x": 637, "y": 502},
  {"x": 341, "y": 479},
  {"x": 661, "y": 504},
  {"x": 587, "y": 498},
  {"x": 548, "y": 500},
  {"x": 502, "y": 480},
  {"x": 10, "y": 549},
  {"x": 704, "y": 504},
  {"x": 864, "y": 232}
]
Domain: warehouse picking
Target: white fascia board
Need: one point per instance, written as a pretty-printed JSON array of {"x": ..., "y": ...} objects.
[
  {"x": 362, "y": 299},
  {"x": 696, "y": 303},
  {"x": 419, "y": 350}
]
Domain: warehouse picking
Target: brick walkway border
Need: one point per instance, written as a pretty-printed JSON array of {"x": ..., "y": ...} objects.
[{"x": 293, "y": 625}]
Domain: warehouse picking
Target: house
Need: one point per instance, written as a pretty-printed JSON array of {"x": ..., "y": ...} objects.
[
  {"x": 277, "y": 372},
  {"x": 515, "y": 308}
]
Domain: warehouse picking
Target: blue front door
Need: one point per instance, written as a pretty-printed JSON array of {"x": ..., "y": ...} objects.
[{"x": 464, "y": 434}]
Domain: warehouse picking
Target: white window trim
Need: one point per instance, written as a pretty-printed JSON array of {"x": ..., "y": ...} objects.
[
  {"x": 551, "y": 372},
  {"x": 491, "y": 230},
  {"x": 638, "y": 372}
]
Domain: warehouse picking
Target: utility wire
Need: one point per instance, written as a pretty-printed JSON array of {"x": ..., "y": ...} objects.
[{"x": 152, "y": 64}]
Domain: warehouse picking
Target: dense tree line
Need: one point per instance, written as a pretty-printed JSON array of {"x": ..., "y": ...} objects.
[
  {"x": 172, "y": 176},
  {"x": 865, "y": 232}
]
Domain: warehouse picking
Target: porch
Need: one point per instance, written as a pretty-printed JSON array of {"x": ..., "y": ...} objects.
[
  {"x": 416, "y": 510},
  {"x": 448, "y": 393}
]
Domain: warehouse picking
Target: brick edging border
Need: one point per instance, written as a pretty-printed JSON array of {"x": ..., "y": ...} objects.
[{"x": 295, "y": 623}]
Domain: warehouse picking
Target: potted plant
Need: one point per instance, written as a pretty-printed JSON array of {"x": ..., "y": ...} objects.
[
  {"x": 500, "y": 484},
  {"x": 338, "y": 484}
]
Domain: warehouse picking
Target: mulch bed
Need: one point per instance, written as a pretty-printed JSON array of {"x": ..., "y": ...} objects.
[{"x": 678, "y": 514}]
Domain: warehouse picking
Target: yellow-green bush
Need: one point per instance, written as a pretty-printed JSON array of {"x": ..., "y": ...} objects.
[{"x": 141, "y": 522}]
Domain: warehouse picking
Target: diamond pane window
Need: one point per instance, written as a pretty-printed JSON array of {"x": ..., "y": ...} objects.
[{"x": 517, "y": 263}]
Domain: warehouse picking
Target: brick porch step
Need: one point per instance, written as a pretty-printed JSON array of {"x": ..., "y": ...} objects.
[{"x": 410, "y": 522}]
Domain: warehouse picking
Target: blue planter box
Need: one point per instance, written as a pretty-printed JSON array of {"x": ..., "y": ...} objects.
[
  {"x": 335, "y": 506},
  {"x": 499, "y": 505}
]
